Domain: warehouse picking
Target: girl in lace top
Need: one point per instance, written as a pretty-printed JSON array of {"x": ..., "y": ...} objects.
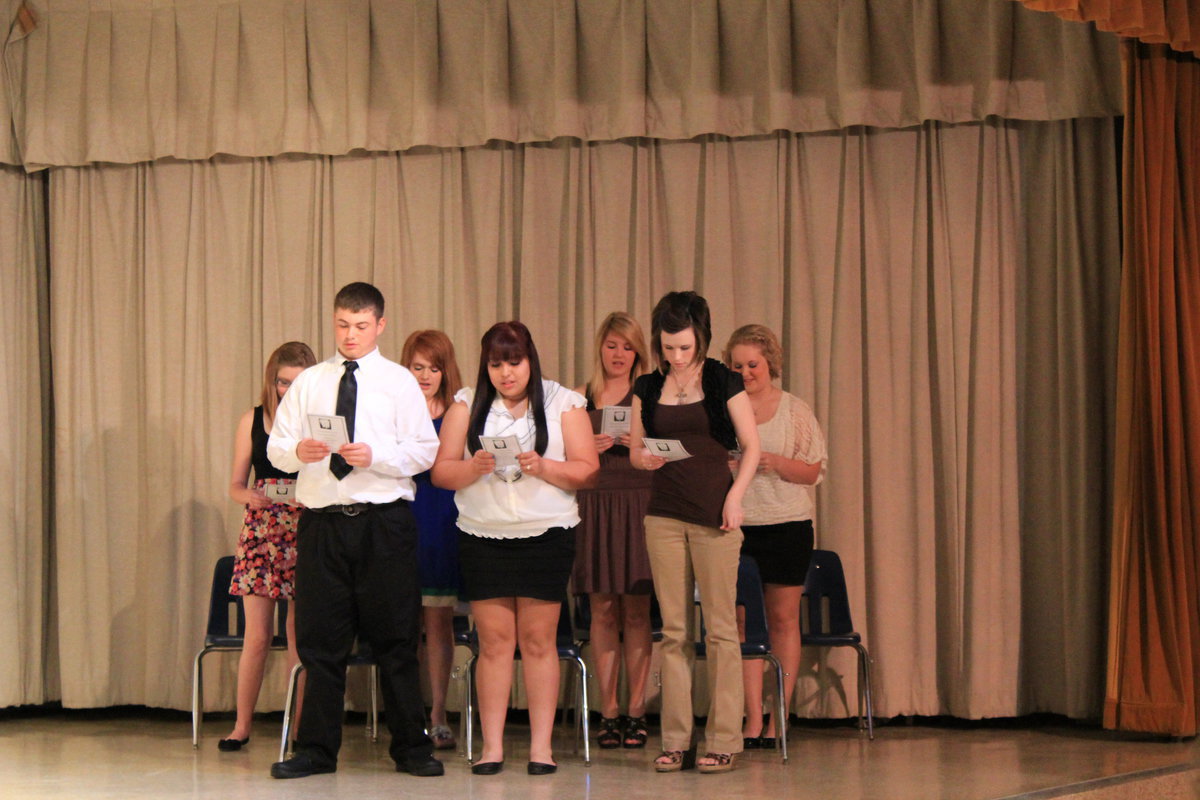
[{"x": 778, "y": 509}]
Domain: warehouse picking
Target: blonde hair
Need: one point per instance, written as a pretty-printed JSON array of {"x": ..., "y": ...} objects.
[
  {"x": 625, "y": 326},
  {"x": 288, "y": 354},
  {"x": 764, "y": 339},
  {"x": 437, "y": 347}
]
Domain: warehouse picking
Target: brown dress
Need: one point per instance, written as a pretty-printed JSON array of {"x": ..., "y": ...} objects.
[{"x": 611, "y": 553}]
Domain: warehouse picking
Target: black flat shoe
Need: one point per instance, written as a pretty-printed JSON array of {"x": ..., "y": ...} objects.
[
  {"x": 422, "y": 767},
  {"x": 752, "y": 742},
  {"x": 766, "y": 742},
  {"x": 232, "y": 745},
  {"x": 487, "y": 768},
  {"x": 300, "y": 765},
  {"x": 541, "y": 768}
]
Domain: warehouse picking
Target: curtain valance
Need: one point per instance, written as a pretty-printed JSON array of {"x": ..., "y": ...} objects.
[
  {"x": 128, "y": 81},
  {"x": 1171, "y": 22}
]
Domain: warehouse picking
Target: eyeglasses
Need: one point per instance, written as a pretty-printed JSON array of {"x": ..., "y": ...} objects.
[{"x": 283, "y": 383}]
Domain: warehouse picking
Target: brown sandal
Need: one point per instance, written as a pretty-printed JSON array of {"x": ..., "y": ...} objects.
[
  {"x": 669, "y": 761},
  {"x": 721, "y": 762}
]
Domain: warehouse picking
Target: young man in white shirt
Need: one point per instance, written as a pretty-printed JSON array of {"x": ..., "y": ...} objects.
[{"x": 356, "y": 565}]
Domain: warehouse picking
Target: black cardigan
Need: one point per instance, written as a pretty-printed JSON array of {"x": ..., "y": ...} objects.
[{"x": 715, "y": 380}]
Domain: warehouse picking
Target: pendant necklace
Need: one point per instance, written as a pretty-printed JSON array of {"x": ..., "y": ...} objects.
[{"x": 682, "y": 394}]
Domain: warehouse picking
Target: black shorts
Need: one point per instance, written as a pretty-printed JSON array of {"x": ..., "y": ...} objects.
[{"x": 537, "y": 566}]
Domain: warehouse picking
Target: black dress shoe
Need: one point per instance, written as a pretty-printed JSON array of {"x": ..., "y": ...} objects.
[
  {"x": 232, "y": 745},
  {"x": 487, "y": 768},
  {"x": 300, "y": 765},
  {"x": 422, "y": 767},
  {"x": 541, "y": 768}
]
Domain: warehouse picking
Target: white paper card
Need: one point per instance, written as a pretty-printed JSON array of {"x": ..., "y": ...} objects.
[
  {"x": 670, "y": 449},
  {"x": 282, "y": 492},
  {"x": 504, "y": 448},
  {"x": 614, "y": 421},
  {"x": 328, "y": 429}
]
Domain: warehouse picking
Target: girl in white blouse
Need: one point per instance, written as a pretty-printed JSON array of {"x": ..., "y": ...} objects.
[{"x": 516, "y": 527}]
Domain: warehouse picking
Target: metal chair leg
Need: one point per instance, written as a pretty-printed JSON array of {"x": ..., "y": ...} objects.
[
  {"x": 781, "y": 711},
  {"x": 289, "y": 710},
  {"x": 583, "y": 711},
  {"x": 864, "y": 684},
  {"x": 469, "y": 709},
  {"x": 373, "y": 677},
  {"x": 197, "y": 697}
]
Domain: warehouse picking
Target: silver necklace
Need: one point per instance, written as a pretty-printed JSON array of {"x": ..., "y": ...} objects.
[{"x": 682, "y": 394}]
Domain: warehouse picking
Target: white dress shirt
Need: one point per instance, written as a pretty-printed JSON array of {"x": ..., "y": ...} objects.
[
  {"x": 391, "y": 416},
  {"x": 496, "y": 509}
]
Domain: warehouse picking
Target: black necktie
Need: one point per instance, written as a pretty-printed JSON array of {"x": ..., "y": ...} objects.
[{"x": 346, "y": 402}]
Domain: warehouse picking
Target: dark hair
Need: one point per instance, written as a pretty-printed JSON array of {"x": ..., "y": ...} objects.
[
  {"x": 508, "y": 341},
  {"x": 675, "y": 312},
  {"x": 359, "y": 296},
  {"x": 437, "y": 347}
]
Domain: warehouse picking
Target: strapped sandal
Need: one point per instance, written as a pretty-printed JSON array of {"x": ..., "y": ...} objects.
[
  {"x": 634, "y": 733},
  {"x": 721, "y": 762},
  {"x": 442, "y": 738},
  {"x": 609, "y": 736},
  {"x": 669, "y": 761}
]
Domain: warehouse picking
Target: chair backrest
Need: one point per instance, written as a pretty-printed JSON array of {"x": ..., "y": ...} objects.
[
  {"x": 750, "y": 596},
  {"x": 825, "y": 591},
  {"x": 225, "y": 614}
]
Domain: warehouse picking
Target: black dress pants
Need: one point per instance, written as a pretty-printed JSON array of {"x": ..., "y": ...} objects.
[{"x": 358, "y": 576}]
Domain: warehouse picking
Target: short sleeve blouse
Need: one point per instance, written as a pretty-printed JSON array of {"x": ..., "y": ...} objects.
[{"x": 494, "y": 508}]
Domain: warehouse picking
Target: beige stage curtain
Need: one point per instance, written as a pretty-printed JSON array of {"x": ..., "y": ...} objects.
[
  {"x": 908, "y": 272},
  {"x": 97, "y": 81},
  {"x": 26, "y": 674},
  {"x": 1173, "y": 22}
]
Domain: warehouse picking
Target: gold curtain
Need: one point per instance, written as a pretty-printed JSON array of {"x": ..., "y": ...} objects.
[
  {"x": 1173, "y": 22},
  {"x": 26, "y": 649},
  {"x": 1154, "y": 617},
  {"x": 97, "y": 81},
  {"x": 907, "y": 272}
]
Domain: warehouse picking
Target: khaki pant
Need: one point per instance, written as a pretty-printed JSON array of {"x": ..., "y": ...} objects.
[{"x": 683, "y": 553}]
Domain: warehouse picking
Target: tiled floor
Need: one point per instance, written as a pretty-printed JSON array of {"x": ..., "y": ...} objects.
[{"x": 138, "y": 755}]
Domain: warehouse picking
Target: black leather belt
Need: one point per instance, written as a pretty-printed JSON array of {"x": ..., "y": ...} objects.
[{"x": 354, "y": 509}]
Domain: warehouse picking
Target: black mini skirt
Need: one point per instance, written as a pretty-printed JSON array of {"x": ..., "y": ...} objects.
[{"x": 537, "y": 566}]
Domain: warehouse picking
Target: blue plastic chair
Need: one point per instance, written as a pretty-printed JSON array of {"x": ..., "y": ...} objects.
[
  {"x": 226, "y": 632},
  {"x": 829, "y": 625}
]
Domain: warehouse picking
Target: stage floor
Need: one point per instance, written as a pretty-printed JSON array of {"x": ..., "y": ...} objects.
[{"x": 133, "y": 754}]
